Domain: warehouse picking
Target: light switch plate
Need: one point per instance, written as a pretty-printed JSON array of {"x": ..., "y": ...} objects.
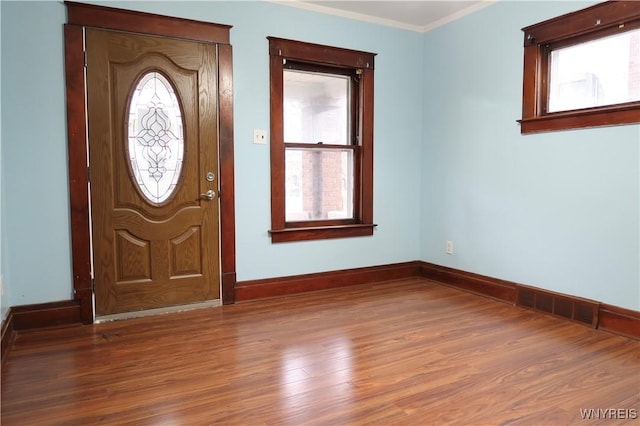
[{"x": 259, "y": 136}]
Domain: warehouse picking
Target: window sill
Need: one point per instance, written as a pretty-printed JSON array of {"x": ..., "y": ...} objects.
[
  {"x": 579, "y": 119},
  {"x": 321, "y": 232}
]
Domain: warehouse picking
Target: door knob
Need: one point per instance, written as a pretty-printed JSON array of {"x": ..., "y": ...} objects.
[{"x": 209, "y": 195}]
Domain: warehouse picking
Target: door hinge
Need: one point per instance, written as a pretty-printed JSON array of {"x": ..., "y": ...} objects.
[
  {"x": 85, "y": 58},
  {"x": 89, "y": 174},
  {"x": 93, "y": 284}
]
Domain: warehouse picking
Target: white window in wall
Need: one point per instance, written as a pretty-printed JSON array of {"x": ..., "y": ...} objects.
[
  {"x": 319, "y": 152},
  {"x": 321, "y": 141},
  {"x": 604, "y": 71},
  {"x": 582, "y": 69}
]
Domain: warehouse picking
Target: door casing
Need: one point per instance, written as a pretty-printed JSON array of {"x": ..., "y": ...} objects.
[{"x": 81, "y": 16}]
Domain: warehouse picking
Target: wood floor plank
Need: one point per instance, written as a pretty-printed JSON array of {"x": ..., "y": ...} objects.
[{"x": 409, "y": 352}]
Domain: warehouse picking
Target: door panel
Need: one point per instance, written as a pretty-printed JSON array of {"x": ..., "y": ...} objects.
[{"x": 151, "y": 254}]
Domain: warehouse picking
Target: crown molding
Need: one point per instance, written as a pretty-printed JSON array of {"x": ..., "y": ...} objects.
[
  {"x": 382, "y": 21},
  {"x": 457, "y": 15}
]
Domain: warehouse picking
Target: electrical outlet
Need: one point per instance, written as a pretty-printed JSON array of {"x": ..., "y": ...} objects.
[
  {"x": 259, "y": 136},
  {"x": 449, "y": 248}
]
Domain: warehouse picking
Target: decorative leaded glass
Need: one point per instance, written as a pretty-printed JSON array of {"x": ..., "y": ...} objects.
[{"x": 155, "y": 139}]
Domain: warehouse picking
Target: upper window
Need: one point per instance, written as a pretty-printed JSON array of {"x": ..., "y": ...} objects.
[
  {"x": 321, "y": 141},
  {"x": 583, "y": 69}
]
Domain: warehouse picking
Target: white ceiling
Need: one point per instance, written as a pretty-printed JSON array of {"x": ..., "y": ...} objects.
[{"x": 416, "y": 15}]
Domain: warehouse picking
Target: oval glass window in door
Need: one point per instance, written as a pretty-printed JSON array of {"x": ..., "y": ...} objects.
[{"x": 155, "y": 137}]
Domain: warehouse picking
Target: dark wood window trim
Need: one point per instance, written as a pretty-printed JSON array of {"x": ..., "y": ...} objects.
[
  {"x": 349, "y": 60},
  {"x": 587, "y": 24},
  {"x": 80, "y": 16}
]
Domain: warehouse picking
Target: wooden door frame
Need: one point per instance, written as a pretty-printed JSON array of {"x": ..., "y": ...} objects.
[{"x": 81, "y": 16}]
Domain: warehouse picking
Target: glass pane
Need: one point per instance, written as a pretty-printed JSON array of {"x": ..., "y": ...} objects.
[
  {"x": 319, "y": 184},
  {"x": 316, "y": 108},
  {"x": 156, "y": 141},
  {"x": 600, "y": 72}
]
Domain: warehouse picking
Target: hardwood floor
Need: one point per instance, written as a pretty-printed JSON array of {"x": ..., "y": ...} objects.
[{"x": 409, "y": 352}]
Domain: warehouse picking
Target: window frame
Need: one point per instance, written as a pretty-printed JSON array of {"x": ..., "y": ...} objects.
[
  {"x": 314, "y": 56},
  {"x": 540, "y": 39}
]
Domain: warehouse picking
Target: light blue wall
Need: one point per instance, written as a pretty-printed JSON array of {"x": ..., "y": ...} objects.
[
  {"x": 34, "y": 135},
  {"x": 35, "y": 194},
  {"x": 4, "y": 295},
  {"x": 557, "y": 210}
]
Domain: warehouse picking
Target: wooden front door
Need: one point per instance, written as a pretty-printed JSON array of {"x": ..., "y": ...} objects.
[{"x": 153, "y": 158}]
